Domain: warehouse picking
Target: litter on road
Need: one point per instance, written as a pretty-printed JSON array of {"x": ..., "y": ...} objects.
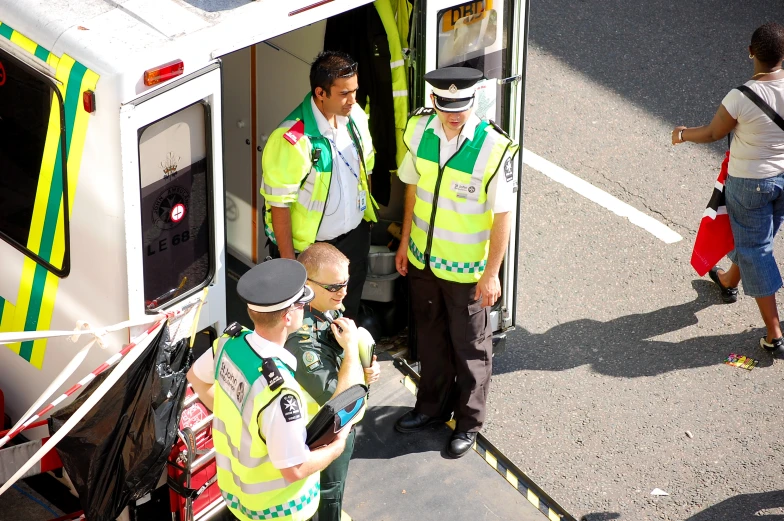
[{"x": 741, "y": 361}]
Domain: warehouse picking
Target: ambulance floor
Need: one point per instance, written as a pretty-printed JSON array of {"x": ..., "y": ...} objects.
[{"x": 395, "y": 476}]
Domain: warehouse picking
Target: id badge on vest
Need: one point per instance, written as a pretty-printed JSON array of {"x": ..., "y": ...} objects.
[{"x": 362, "y": 200}]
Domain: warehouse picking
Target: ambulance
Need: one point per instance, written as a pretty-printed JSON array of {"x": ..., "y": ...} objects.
[{"x": 131, "y": 136}]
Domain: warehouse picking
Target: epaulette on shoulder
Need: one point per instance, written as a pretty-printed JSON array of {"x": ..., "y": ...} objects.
[
  {"x": 233, "y": 330},
  {"x": 307, "y": 326},
  {"x": 295, "y": 132},
  {"x": 499, "y": 129},
  {"x": 423, "y": 111}
]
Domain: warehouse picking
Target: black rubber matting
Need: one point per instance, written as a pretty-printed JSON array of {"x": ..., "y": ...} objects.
[{"x": 409, "y": 476}]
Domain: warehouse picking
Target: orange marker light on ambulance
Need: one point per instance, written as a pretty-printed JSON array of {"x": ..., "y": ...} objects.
[{"x": 163, "y": 72}]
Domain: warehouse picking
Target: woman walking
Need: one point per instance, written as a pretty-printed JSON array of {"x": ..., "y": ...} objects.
[{"x": 755, "y": 185}]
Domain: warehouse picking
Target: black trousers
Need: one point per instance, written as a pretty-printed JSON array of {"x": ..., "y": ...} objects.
[
  {"x": 455, "y": 347},
  {"x": 355, "y": 245}
]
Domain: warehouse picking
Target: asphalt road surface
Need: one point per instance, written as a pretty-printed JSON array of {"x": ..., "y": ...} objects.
[{"x": 619, "y": 346}]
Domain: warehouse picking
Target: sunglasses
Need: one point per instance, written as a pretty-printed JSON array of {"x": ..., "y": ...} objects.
[
  {"x": 347, "y": 72},
  {"x": 332, "y": 288}
]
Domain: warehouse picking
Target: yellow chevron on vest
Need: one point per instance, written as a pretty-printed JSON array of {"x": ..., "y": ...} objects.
[
  {"x": 290, "y": 176},
  {"x": 453, "y": 236},
  {"x": 250, "y": 484},
  {"x": 38, "y": 288},
  {"x": 386, "y": 12}
]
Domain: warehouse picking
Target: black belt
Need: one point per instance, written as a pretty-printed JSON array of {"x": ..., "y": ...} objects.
[{"x": 339, "y": 238}]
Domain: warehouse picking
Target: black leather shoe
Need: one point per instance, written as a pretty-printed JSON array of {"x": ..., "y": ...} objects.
[
  {"x": 414, "y": 421},
  {"x": 728, "y": 295},
  {"x": 460, "y": 444}
]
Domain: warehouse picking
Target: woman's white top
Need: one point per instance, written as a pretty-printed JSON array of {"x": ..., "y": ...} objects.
[{"x": 757, "y": 148}]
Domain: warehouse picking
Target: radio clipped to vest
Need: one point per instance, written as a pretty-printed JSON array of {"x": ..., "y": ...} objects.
[
  {"x": 315, "y": 155},
  {"x": 233, "y": 330}
]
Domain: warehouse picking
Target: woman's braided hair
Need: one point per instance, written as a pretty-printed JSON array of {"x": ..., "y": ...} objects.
[{"x": 767, "y": 43}]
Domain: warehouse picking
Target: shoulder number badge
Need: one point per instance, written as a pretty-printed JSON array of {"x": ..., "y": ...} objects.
[
  {"x": 508, "y": 170},
  {"x": 271, "y": 373}
]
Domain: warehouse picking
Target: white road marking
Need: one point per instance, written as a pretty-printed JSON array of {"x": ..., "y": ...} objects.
[{"x": 602, "y": 198}]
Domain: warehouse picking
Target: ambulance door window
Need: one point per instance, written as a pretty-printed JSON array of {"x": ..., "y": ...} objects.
[
  {"x": 473, "y": 34},
  {"x": 175, "y": 205},
  {"x": 32, "y": 166}
]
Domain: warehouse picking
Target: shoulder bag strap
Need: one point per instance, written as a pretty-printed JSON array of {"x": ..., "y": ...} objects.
[{"x": 764, "y": 107}]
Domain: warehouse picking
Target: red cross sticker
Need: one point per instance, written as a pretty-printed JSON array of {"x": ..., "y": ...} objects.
[
  {"x": 2, "y": 74},
  {"x": 178, "y": 212}
]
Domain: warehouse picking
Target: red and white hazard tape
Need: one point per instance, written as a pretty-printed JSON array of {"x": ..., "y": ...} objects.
[
  {"x": 84, "y": 381},
  {"x": 125, "y": 362}
]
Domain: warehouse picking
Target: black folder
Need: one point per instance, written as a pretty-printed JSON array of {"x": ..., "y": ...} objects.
[{"x": 338, "y": 412}]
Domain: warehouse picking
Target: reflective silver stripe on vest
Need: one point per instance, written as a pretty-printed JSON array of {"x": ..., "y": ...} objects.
[
  {"x": 305, "y": 197},
  {"x": 422, "y": 225},
  {"x": 275, "y": 191},
  {"x": 242, "y": 454},
  {"x": 221, "y": 342},
  {"x": 456, "y": 237},
  {"x": 444, "y": 203},
  {"x": 419, "y": 131},
  {"x": 461, "y": 238},
  {"x": 223, "y": 462}
]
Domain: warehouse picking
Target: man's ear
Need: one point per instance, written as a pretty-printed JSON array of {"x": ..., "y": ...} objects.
[{"x": 321, "y": 93}]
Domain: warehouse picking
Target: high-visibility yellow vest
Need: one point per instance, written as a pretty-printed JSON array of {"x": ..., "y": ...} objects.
[
  {"x": 251, "y": 486},
  {"x": 386, "y": 11},
  {"x": 452, "y": 218},
  {"x": 297, "y": 172}
]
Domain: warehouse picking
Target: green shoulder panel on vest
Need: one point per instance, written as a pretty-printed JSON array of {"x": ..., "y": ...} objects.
[{"x": 468, "y": 153}]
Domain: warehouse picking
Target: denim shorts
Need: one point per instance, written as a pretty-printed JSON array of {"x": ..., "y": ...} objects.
[{"x": 756, "y": 211}]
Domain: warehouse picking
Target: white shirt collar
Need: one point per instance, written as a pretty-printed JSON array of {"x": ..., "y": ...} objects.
[
  {"x": 325, "y": 129},
  {"x": 266, "y": 349},
  {"x": 466, "y": 133}
]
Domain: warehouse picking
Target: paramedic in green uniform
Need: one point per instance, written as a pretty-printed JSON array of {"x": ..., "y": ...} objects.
[
  {"x": 321, "y": 361},
  {"x": 265, "y": 470}
]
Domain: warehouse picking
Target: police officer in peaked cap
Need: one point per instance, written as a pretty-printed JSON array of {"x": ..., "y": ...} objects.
[
  {"x": 247, "y": 379},
  {"x": 460, "y": 196}
]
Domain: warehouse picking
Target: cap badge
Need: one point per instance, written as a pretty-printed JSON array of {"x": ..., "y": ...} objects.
[{"x": 453, "y": 88}]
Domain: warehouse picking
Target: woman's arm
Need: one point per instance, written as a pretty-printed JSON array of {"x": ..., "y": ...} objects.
[{"x": 721, "y": 125}]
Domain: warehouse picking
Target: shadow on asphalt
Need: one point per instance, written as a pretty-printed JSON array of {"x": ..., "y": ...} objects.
[
  {"x": 766, "y": 506},
  {"x": 624, "y": 347},
  {"x": 653, "y": 53}
]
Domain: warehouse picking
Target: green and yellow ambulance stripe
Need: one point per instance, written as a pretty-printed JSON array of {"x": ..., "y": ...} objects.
[{"x": 38, "y": 289}]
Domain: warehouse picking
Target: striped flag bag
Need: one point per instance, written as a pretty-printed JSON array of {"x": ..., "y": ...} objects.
[{"x": 714, "y": 236}]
